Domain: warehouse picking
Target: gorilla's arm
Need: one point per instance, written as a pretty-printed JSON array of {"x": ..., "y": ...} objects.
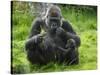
[
  {"x": 71, "y": 33},
  {"x": 34, "y": 35},
  {"x": 36, "y": 28}
]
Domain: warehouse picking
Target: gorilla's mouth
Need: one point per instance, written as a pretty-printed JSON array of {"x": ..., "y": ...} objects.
[{"x": 53, "y": 30}]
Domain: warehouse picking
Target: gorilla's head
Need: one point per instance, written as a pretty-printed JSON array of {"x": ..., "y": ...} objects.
[{"x": 53, "y": 18}]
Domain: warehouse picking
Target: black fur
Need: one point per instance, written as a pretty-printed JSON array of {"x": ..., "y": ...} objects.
[{"x": 60, "y": 45}]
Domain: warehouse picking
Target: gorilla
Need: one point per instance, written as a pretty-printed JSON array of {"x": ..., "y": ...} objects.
[{"x": 58, "y": 43}]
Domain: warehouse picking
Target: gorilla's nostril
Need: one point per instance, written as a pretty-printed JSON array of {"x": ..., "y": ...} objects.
[{"x": 54, "y": 25}]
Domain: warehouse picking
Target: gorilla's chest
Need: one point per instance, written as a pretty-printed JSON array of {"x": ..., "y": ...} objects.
[
  {"x": 55, "y": 40},
  {"x": 58, "y": 41}
]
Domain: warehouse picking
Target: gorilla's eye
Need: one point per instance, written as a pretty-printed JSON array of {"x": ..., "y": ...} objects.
[{"x": 56, "y": 20}]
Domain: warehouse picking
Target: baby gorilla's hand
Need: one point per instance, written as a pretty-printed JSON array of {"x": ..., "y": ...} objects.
[{"x": 71, "y": 43}]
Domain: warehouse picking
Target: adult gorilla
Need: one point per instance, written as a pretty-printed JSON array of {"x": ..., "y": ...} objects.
[{"x": 59, "y": 42}]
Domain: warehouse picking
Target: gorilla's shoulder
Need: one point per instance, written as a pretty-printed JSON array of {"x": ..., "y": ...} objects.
[
  {"x": 38, "y": 19},
  {"x": 67, "y": 26},
  {"x": 37, "y": 22},
  {"x": 65, "y": 22}
]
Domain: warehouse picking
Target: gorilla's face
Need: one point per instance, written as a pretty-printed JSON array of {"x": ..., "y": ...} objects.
[
  {"x": 53, "y": 23},
  {"x": 53, "y": 18}
]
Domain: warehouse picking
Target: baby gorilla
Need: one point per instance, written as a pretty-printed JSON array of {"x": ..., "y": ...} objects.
[{"x": 59, "y": 43}]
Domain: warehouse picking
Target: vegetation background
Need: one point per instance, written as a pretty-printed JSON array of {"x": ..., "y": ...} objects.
[{"x": 83, "y": 20}]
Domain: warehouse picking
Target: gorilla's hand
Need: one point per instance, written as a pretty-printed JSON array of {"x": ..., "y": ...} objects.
[
  {"x": 38, "y": 38},
  {"x": 60, "y": 31}
]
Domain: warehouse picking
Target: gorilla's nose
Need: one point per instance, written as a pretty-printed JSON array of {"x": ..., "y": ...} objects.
[{"x": 54, "y": 25}]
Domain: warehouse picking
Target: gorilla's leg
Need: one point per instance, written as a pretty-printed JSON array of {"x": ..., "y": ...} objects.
[
  {"x": 34, "y": 52},
  {"x": 37, "y": 53}
]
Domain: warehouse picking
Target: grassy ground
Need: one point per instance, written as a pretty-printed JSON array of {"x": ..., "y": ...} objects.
[{"x": 84, "y": 23}]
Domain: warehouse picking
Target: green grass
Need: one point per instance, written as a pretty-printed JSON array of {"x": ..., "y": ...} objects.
[{"x": 85, "y": 26}]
